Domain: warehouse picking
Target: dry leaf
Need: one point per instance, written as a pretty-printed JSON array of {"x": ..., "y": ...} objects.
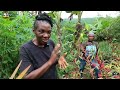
[
  {"x": 23, "y": 73},
  {"x": 14, "y": 73}
]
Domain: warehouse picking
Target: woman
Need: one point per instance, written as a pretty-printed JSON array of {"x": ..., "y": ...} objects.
[{"x": 41, "y": 52}]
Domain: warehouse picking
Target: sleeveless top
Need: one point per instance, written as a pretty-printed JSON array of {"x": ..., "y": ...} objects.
[{"x": 91, "y": 48}]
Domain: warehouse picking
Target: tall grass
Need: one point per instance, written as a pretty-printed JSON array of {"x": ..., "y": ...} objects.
[{"x": 105, "y": 50}]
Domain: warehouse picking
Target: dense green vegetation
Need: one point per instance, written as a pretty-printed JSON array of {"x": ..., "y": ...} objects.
[
  {"x": 13, "y": 34},
  {"x": 17, "y": 30}
]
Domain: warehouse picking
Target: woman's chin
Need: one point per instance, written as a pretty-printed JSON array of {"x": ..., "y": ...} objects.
[{"x": 45, "y": 41}]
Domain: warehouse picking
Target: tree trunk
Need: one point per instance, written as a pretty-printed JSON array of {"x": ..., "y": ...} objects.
[
  {"x": 59, "y": 31},
  {"x": 76, "y": 42},
  {"x": 79, "y": 29}
]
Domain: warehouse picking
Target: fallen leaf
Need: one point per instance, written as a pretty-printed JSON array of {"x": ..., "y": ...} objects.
[
  {"x": 23, "y": 73},
  {"x": 14, "y": 73}
]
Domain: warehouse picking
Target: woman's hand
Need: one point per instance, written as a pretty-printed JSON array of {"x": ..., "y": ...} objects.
[
  {"x": 54, "y": 54},
  {"x": 62, "y": 62}
]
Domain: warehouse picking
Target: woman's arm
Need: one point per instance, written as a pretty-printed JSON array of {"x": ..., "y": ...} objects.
[
  {"x": 41, "y": 70},
  {"x": 34, "y": 74}
]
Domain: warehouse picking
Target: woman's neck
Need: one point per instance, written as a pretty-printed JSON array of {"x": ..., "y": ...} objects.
[
  {"x": 37, "y": 43},
  {"x": 90, "y": 41}
]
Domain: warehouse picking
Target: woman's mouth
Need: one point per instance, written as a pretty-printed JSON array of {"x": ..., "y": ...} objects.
[{"x": 45, "y": 40}]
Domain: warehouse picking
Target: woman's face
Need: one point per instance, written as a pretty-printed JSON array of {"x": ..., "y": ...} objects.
[
  {"x": 43, "y": 32},
  {"x": 91, "y": 38}
]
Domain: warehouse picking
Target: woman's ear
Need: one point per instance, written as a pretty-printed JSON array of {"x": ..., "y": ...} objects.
[{"x": 33, "y": 30}]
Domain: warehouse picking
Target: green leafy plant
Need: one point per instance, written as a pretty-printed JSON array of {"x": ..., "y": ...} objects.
[
  {"x": 13, "y": 34},
  {"x": 105, "y": 50}
]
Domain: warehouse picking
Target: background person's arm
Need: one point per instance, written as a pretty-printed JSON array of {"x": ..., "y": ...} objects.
[
  {"x": 97, "y": 57},
  {"x": 83, "y": 48}
]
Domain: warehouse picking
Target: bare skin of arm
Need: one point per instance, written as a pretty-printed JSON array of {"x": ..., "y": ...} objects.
[
  {"x": 40, "y": 71},
  {"x": 84, "y": 51},
  {"x": 97, "y": 53}
]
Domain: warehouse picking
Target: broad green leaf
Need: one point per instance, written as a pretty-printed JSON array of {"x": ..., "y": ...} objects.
[{"x": 87, "y": 26}]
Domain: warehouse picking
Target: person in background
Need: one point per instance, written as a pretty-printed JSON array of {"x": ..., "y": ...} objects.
[
  {"x": 90, "y": 55},
  {"x": 41, "y": 52}
]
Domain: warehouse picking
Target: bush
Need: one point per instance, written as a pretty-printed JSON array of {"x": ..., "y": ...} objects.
[
  {"x": 105, "y": 50},
  {"x": 102, "y": 25},
  {"x": 13, "y": 34},
  {"x": 108, "y": 29},
  {"x": 114, "y": 29}
]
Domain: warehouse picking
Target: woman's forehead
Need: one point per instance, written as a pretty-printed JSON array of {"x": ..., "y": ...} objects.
[
  {"x": 91, "y": 36},
  {"x": 44, "y": 24}
]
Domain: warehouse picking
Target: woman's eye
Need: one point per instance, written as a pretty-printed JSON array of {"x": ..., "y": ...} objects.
[
  {"x": 49, "y": 32},
  {"x": 41, "y": 31}
]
